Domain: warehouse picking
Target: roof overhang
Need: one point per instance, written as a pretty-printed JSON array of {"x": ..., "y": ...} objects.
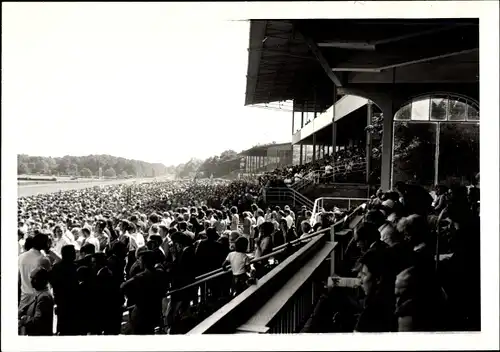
[
  {"x": 262, "y": 150},
  {"x": 305, "y": 60}
]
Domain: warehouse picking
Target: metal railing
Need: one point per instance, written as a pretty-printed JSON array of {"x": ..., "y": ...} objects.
[
  {"x": 202, "y": 281},
  {"x": 320, "y": 206},
  {"x": 286, "y": 295},
  {"x": 285, "y": 194},
  {"x": 340, "y": 167},
  {"x": 321, "y": 175},
  {"x": 290, "y": 307},
  {"x": 305, "y": 181}
]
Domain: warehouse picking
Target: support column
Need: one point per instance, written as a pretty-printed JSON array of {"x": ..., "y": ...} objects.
[
  {"x": 334, "y": 125},
  {"x": 314, "y": 147},
  {"x": 301, "y": 154},
  {"x": 387, "y": 139},
  {"x": 436, "y": 155},
  {"x": 313, "y": 121},
  {"x": 369, "y": 141}
]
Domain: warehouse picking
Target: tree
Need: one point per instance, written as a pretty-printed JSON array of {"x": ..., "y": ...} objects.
[
  {"x": 41, "y": 166},
  {"x": 22, "y": 169},
  {"x": 124, "y": 174},
  {"x": 110, "y": 172},
  {"x": 228, "y": 155},
  {"x": 85, "y": 172}
]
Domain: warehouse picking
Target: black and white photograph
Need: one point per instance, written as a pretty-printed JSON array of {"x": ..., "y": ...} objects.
[{"x": 234, "y": 169}]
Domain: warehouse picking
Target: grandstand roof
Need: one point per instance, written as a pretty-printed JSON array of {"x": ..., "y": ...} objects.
[
  {"x": 288, "y": 57},
  {"x": 261, "y": 150}
]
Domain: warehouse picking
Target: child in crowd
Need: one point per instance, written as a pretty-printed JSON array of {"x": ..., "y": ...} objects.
[{"x": 240, "y": 266}]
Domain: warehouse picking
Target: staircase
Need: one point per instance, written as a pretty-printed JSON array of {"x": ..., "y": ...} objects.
[{"x": 287, "y": 196}]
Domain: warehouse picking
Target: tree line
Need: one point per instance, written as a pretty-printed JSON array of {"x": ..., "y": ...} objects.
[
  {"x": 216, "y": 166},
  {"x": 88, "y": 166}
]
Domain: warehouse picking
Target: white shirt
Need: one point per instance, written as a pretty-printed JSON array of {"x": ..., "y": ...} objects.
[
  {"x": 136, "y": 241},
  {"x": 70, "y": 236},
  {"x": 27, "y": 262},
  {"x": 239, "y": 262},
  {"x": 21, "y": 246},
  {"x": 61, "y": 243},
  {"x": 289, "y": 221},
  {"x": 260, "y": 220},
  {"x": 92, "y": 240},
  {"x": 212, "y": 221},
  {"x": 235, "y": 220}
]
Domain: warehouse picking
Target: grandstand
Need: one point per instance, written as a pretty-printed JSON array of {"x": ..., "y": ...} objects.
[
  {"x": 266, "y": 157},
  {"x": 341, "y": 75}
]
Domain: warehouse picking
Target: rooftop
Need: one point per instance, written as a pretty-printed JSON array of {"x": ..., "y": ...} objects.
[{"x": 288, "y": 57}]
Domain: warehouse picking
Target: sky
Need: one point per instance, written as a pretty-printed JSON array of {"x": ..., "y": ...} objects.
[{"x": 143, "y": 82}]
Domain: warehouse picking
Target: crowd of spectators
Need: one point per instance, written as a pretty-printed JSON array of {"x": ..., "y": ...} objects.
[
  {"x": 417, "y": 261},
  {"x": 346, "y": 162},
  {"x": 85, "y": 255},
  {"x": 90, "y": 253}
]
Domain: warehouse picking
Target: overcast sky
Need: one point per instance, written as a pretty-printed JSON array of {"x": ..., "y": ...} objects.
[{"x": 144, "y": 82}]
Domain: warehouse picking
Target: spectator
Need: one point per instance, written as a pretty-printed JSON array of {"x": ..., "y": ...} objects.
[
  {"x": 367, "y": 236},
  {"x": 240, "y": 265},
  {"x": 64, "y": 282},
  {"x": 147, "y": 295},
  {"x": 234, "y": 218},
  {"x": 88, "y": 237},
  {"x": 377, "y": 282},
  {"x": 183, "y": 273},
  {"x": 419, "y": 306},
  {"x": 36, "y": 316},
  {"x": 28, "y": 262}
]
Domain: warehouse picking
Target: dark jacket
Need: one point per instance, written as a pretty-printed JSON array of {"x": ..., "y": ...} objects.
[
  {"x": 184, "y": 273},
  {"x": 378, "y": 315},
  {"x": 209, "y": 256},
  {"x": 64, "y": 282},
  {"x": 40, "y": 313},
  {"x": 146, "y": 291}
]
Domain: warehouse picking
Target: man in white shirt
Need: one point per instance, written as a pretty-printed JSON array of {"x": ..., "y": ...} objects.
[
  {"x": 136, "y": 238},
  {"x": 260, "y": 217},
  {"x": 29, "y": 261},
  {"x": 89, "y": 238},
  {"x": 292, "y": 214},
  {"x": 289, "y": 219}
]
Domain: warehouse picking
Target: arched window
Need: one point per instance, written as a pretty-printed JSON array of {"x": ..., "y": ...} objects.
[{"x": 436, "y": 140}]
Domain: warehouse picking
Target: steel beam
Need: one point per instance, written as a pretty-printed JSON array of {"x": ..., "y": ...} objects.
[
  {"x": 347, "y": 45},
  {"x": 321, "y": 59}
]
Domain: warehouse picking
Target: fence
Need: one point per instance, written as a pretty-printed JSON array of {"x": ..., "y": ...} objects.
[
  {"x": 276, "y": 195},
  {"x": 284, "y": 298}
]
